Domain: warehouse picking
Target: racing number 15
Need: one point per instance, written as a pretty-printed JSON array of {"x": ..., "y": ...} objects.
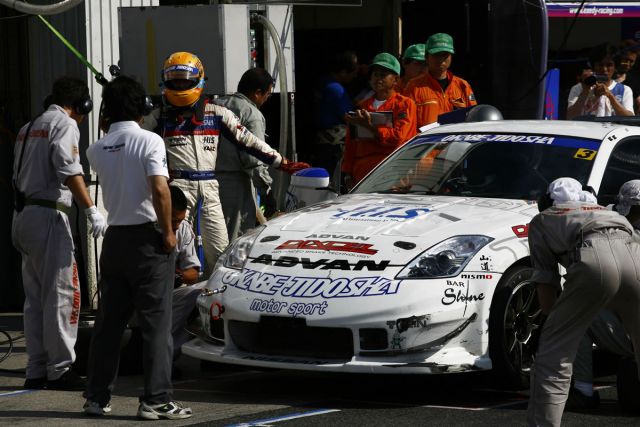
[{"x": 585, "y": 154}]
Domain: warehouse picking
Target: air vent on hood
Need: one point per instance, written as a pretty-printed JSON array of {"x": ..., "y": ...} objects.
[
  {"x": 269, "y": 239},
  {"x": 404, "y": 245}
]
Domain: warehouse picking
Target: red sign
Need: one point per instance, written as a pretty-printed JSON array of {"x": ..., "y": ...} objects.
[{"x": 521, "y": 230}]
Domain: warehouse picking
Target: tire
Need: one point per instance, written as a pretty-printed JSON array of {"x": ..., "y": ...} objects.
[{"x": 514, "y": 315}]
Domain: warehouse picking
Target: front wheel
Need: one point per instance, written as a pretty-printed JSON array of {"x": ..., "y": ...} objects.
[{"x": 515, "y": 314}]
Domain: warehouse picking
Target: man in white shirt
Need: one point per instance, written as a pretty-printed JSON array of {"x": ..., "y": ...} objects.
[
  {"x": 599, "y": 95},
  {"x": 138, "y": 259}
]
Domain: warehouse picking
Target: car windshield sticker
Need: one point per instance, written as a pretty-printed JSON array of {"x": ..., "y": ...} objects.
[
  {"x": 585, "y": 154},
  {"x": 558, "y": 141}
]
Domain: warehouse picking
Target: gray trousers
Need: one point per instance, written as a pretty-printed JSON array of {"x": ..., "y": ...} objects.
[
  {"x": 608, "y": 334},
  {"x": 608, "y": 273},
  {"x": 52, "y": 292},
  {"x": 184, "y": 302},
  {"x": 238, "y": 200},
  {"x": 135, "y": 275}
]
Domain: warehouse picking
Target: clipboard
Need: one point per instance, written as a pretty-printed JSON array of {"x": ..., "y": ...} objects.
[{"x": 378, "y": 119}]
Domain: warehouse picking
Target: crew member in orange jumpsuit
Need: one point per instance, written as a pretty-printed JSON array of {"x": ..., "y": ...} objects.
[
  {"x": 369, "y": 142},
  {"x": 413, "y": 63},
  {"x": 438, "y": 91}
]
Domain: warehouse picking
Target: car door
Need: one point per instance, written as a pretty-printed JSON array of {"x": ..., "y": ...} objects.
[{"x": 623, "y": 165}]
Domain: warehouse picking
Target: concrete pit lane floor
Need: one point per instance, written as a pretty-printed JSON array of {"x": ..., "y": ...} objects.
[{"x": 222, "y": 395}]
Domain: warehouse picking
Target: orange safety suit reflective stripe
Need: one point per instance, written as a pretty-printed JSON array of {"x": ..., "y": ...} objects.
[
  {"x": 431, "y": 100},
  {"x": 362, "y": 155}
]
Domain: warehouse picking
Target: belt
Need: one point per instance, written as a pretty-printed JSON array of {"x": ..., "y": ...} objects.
[
  {"x": 192, "y": 175},
  {"x": 48, "y": 204}
]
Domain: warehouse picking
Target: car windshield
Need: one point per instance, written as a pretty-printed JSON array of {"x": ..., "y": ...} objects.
[{"x": 482, "y": 165}]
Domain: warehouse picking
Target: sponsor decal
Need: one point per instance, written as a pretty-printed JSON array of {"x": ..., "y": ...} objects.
[
  {"x": 377, "y": 212},
  {"x": 75, "y": 308},
  {"x": 455, "y": 283},
  {"x": 521, "y": 231},
  {"x": 321, "y": 264},
  {"x": 561, "y": 141},
  {"x": 485, "y": 263},
  {"x": 455, "y": 295},
  {"x": 328, "y": 245},
  {"x": 476, "y": 276},
  {"x": 402, "y": 325},
  {"x": 310, "y": 287},
  {"x": 337, "y": 236},
  {"x": 535, "y": 139},
  {"x": 182, "y": 67},
  {"x": 396, "y": 341},
  {"x": 295, "y": 309}
]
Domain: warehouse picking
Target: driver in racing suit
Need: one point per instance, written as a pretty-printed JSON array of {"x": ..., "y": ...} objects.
[
  {"x": 602, "y": 256},
  {"x": 191, "y": 127}
]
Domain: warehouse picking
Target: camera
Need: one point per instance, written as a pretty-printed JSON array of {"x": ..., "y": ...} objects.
[{"x": 595, "y": 78}]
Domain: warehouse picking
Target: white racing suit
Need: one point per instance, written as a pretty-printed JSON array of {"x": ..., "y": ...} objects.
[
  {"x": 191, "y": 152},
  {"x": 602, "y": 258},
  {"x": 42, "y": 234}
]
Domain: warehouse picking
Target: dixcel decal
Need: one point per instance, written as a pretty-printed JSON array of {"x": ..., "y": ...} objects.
[
  {"x": 310, "y": 287},
  {"x": 328, "y": 245},
  {"x": 320, "y": 264}
]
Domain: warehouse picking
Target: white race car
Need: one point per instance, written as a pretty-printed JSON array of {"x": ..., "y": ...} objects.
[{"x": 422, "y": 268}]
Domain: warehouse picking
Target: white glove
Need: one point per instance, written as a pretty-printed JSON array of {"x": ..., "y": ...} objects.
[{"x": 98, "y": 223}]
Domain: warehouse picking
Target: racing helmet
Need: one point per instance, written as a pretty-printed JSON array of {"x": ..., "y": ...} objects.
[
  {"x": 182, "y": 79},
  {"x": 482, "y": 113}
]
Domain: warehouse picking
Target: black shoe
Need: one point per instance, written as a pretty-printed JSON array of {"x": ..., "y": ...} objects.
[
  {"x": 580, "y": 402},
  {"x": 69, "y": 381},
  {"x": 35, "y": 383}
]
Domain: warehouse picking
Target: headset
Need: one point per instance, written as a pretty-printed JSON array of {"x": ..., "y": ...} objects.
[{"x": 83, "y": 106}]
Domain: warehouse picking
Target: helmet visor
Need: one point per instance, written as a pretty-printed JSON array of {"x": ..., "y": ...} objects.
[
  {"x": 181, "y": 72},
  {"x": 180, "y": 84}
]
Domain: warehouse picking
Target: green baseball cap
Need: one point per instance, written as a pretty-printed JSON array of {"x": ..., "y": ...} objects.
[
  {"x": 414, "y": 52},
  {"x": 439, "y": 42},
  {"x": 388, "y": 61}
]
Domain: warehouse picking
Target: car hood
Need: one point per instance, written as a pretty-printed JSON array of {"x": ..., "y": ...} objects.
[
  {"x": 385, "y": 227},
  {"x": 372, "y": 215}
]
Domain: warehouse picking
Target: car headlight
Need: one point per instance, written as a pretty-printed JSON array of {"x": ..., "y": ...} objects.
[
  {"x": 237, "y": 252},
  {"x": 446, "y": 259}
]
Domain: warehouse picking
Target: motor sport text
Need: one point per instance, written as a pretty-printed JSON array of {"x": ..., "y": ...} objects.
[
  {"x": 380, "y": 213},
  {"x": 330, "y": 245},
  {"x": 294, "y": 309},
  {"x": 310, "y": 287},
  {"x": 321, "y": 264},
  {"x": 532, "y": 139}
]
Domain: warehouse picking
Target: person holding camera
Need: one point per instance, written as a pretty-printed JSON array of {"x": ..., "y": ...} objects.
[
  {"x": 138, "y": 260},
  {"x": 47, "y": 175},
  {"x": 598, "y": 94},
  {"x": 601, "y": 255}
]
